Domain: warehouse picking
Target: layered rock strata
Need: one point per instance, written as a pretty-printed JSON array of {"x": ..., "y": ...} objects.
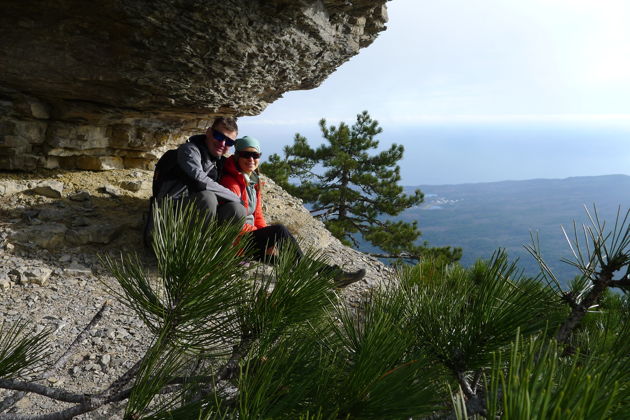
[{"x": 110, "y": 85}]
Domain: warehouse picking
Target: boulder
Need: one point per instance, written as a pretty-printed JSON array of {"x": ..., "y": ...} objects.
[
  {"x": 35, "y": 275},
  {"x": 102, "y": 233},
  {"x": 81, "y": 195},
  {"x": 49, "y": 188},
  {"x": 48, "y": 236},
  {"x": 133, "y": 186},
  {"x": 9, "y": 187},
  {"x": 5, "y": 281}
]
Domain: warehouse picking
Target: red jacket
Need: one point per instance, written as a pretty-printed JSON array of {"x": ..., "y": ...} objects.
[{"x": 234, "y": 180}]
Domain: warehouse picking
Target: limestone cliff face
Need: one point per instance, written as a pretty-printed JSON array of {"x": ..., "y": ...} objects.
[{"x": 109, "y": 84}]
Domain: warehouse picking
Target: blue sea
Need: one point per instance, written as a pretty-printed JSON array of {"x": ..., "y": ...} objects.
[{"x": 460, "y": 153}]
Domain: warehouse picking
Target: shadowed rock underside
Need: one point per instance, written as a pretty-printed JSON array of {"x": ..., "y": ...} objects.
[{"x": 111, "y": 85}]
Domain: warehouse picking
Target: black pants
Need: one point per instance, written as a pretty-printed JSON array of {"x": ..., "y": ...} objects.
[{"x": 269, "y": 236}]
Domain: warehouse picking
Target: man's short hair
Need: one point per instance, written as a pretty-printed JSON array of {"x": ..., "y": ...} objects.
[{"x": 229, "y": 123}]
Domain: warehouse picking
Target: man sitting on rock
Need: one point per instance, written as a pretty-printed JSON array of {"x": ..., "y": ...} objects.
[{"x": 193, "y": 176}]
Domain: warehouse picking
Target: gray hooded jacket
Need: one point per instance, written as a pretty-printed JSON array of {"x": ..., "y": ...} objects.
[{"x": 202, "y": 172}]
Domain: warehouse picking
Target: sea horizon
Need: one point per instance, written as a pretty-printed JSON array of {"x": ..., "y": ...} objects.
[
  {"x": 462, "y": 153},
  {"x": 514, "y": 180}
]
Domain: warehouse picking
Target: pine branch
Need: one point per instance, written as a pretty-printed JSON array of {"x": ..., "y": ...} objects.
[
  {"x": 600, "y": 284},
  {"x": 569, "y": 298},
  {"x": 476, "y": 379},
  {"x": 89, "y": 404},
  {"x": 621, "y": 284},
  {"x": 123, "y": 380},
  {"x": 59, "y": 394},
  {"x": 11, "y": 400},
  {"x": 356, "y": 225},
  {"x": 376, "y": 222},
  {"x": 322, "y": 208},
  {"x": 404, "y": 255},
  {"x": 86, "y": 402},
  {"x": 54, "y": 393},
  {"x": 230, "y": 368},
  {"x": 463, "y": 382},
  {"x": 367, "y": 199},
  {"x": 475, "y": 404}
]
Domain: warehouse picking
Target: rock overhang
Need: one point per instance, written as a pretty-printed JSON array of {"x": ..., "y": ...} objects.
[{"x": 105, "y": 85}]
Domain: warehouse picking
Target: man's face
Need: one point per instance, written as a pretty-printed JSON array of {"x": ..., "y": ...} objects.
[{"x": 217, "y": 145}]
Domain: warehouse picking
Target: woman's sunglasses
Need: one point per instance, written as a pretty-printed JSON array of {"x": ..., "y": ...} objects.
[
  {"x": 220, "y": 137},
  {"x": 247, "y": 155}
]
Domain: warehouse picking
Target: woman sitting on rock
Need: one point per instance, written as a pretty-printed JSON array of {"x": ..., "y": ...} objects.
[{"x": 240, "y": 174}]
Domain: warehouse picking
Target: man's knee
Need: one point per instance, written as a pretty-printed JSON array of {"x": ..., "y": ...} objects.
[
  {"x": 206, "y": 202},
  {"x": 232, "y": 212}
]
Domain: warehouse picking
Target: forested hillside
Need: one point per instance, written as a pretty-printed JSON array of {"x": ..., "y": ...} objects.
[{"x": 483, "y": 217}]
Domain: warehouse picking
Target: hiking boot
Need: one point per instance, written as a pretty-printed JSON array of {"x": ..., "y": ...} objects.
[{"x": 346, "y": 278}]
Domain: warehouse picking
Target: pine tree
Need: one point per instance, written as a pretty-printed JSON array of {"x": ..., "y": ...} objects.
[{"x": 352, "y": 191}]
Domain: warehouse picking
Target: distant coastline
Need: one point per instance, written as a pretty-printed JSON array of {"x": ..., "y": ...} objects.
[
  {"x": 482, "y": 217},
  {"x": 507, "y": 181}
]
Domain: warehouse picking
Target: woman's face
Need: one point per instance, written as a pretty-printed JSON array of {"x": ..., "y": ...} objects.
[{"x": 248, "y": 159}]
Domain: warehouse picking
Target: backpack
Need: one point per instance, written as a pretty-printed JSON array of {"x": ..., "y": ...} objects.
[{"x": 166, "y": 169}]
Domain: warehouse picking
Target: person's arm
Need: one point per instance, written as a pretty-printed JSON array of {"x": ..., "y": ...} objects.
[
  {"x": 259, "y": 218},
  {"x": 231, "y": 183},
  {"x": 189, "y": 160}
]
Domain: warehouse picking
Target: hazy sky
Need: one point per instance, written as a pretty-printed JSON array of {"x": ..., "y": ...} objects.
[{"x": 459, "y": 81}]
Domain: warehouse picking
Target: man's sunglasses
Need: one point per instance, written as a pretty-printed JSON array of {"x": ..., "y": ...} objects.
[
  {"x": 219, "y": 136},
  {"x": 247, "y": 155}
]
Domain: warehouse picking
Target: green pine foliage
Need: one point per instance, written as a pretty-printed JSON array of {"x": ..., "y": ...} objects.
[
  {"x": 437, "y": 341},
  {"x": 464, "y": 315},
  {"x": 352, "y": 191},
  {"x": 539, "y": 382},
  {"x": 21, "y": 352}
]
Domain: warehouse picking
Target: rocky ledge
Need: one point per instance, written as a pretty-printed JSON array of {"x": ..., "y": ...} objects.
[
  {"x": 109, "y": 85},
  {"x": 54, "y": 225}
]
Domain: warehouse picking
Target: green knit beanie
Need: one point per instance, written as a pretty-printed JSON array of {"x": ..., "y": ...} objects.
[{"x": 245, "y": 142}]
